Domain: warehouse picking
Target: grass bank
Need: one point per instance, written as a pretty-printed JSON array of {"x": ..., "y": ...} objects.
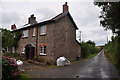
[
  {"x": 24, "y": 77},
  {"x": 112, "y": 52}
]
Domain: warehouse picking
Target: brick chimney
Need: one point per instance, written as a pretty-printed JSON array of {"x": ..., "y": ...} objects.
[
  {"x": 32, "y": 19},
  {"x": 13, "y": 27},
  {"x": 65, "y": 7}
]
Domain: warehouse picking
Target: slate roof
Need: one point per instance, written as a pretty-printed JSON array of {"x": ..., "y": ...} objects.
[{"x": 54, "y": 19}]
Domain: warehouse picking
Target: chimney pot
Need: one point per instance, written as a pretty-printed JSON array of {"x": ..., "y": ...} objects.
[
  {"x": 13, "y": 27},
  {"x": 66, "y": 3}
]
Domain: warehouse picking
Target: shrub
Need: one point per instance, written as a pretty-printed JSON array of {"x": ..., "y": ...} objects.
[
  {"x": 87, "y": 49},
  {"x": 39, "y": 59},
  {"x": 12, "y": 54},
  {"x": 49, "y": 61},
  {"x": 10, "y": 68},
  {"x": 45, "y": 60},
  {"x": 112, "y": 51}
]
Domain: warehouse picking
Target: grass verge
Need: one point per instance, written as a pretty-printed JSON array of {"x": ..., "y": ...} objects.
[
  {"x": 91, "y": 55},
  {"x": 24, "y": 77}
]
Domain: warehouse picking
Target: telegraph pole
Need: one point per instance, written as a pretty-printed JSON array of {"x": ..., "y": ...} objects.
[{"x": 80, "y": 36}]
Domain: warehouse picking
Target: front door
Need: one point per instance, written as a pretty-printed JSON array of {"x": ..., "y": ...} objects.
[{"x": 29, "y": 51}]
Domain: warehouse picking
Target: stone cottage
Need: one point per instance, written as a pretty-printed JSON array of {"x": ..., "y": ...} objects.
[{"x": 49, "y": 39}]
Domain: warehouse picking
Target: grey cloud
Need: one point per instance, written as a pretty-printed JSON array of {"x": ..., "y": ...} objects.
[
  {"x": 98, "y": 35},
  {"x": 86, "y": 14},
  {"x": 45, "y": 13},
  {"x": 10, "y": 17}
]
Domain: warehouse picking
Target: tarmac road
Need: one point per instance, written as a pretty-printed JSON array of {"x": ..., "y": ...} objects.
[{"x": 97, "y": 67}]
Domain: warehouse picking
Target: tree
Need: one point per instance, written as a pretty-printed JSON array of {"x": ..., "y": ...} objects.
[
  {"x": 17, "y": 36},
  {"x": 91, "y": 42},
  {"x": 110, "y": 15},
  {"x": 110, "y": 19},
  {"x": 7, "y": 38}
]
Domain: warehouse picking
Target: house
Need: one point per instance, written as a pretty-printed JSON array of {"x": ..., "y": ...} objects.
[{"x": 49, "y": 39}]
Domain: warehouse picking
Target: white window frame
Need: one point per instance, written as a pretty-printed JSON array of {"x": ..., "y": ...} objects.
[
  {"x": 43, "y": 30},
  {"x": 23, "y": 49},
  {"x": 43, "y": 50},
  {"x": 25, "y": 33},
  {"x": 34, "y": 31}
]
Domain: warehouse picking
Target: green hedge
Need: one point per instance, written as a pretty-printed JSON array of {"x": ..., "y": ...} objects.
[
  {"x": 88, "y": 49},
  {"x": 12, "y": 54},
  {"x": 112, "y": 51}
]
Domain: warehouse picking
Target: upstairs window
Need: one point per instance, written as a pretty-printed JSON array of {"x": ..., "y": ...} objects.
[
  {"x": 34, "y": 31},
  {"x": 42, "y": 50},
  {"x": 25, "y": 33},
  {"x": 43, "y": 30}
]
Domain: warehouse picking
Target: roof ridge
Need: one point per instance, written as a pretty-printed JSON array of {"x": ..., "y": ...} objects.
[{"x": 59, "y": 16}]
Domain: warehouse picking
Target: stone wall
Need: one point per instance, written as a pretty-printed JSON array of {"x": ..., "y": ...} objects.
[{"x": 65, "y": 39}]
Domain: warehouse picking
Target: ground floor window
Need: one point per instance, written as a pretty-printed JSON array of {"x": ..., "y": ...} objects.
[
  {"x": 23, "y": 49},
  {"x": 13, "y": 49},
  {"x": 43, "y": 50}
]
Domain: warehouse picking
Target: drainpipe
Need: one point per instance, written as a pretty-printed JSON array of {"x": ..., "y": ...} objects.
[{"x": 36, "y": 42}]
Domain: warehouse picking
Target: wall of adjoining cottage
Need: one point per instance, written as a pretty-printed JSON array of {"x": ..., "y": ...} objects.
[{"x": 27, "y": 40}]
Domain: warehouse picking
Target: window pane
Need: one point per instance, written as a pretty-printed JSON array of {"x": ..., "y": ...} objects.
[
  {"x": 43, "y": 49},
  {"x": 23, "y": 49},
  {"x": 25, "y": 33},
  {"x": 43, "y": 30},
  {"x": 34, "y": 31}
]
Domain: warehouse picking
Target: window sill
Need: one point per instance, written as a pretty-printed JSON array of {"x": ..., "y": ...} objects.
[
  {"x": 42, "y": 54},
  {"x": 43, "y": 34},
  {"x": 24, "y": 37},
  {"x": 23, "y": 53}
]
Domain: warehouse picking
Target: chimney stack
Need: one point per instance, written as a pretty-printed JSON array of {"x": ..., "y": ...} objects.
[
  {"x": 32, "y": 19},
  {"x": 65, "y": 7},
  {"x": 13, "y": 27}
]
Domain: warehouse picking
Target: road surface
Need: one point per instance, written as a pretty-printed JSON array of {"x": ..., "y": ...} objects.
[{"x": 97, "y": 67}]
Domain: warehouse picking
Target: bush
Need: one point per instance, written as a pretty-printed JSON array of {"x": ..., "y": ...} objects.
[
  {"x": 39, "y": 59},
  {"x": 49, "y": 61},
  {"x": 12, "y": 54},
  {"x": 112, "y": 51},
  {"x": 10, "y": 68},
  {"x": 88, "y": 49},
  {"x": 45, "y": 60}
]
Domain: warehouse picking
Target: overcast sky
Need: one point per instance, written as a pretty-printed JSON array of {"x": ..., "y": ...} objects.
[{"x": 85, "y": 15}]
